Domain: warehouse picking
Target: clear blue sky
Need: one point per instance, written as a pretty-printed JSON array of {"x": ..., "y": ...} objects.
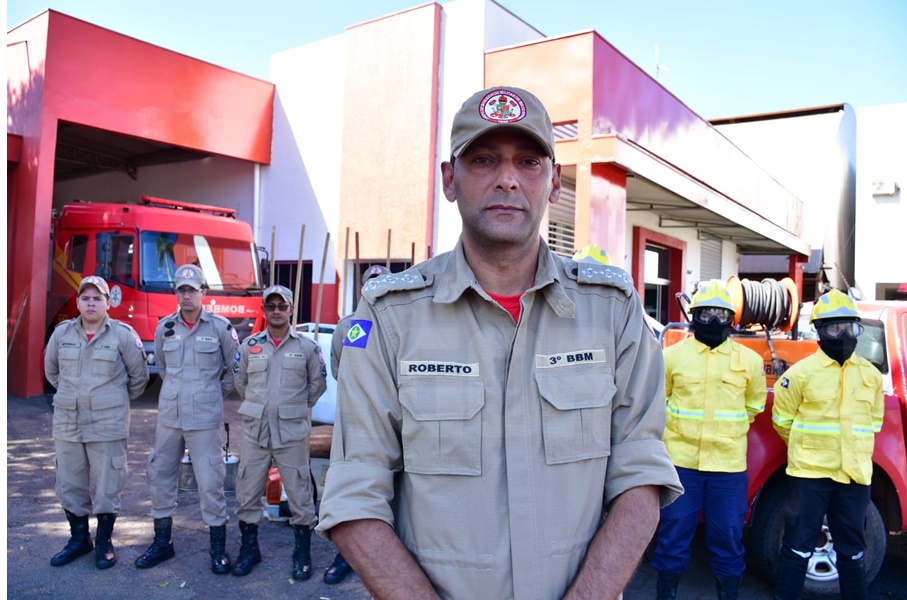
[{"x": 723, "y": 58}]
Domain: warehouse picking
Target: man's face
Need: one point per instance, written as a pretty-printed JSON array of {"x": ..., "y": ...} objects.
[
  {"x": 189, "y": 298},
  {"x": 502, "y": 185},
  {"x": 92, "y": 305},
  {"x": 277, "y": 310}
]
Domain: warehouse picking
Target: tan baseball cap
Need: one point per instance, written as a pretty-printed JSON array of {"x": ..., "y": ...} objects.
[
  {"x": 97, "y": 282},
  {"x": 501, "y": 108},
  {"x": 190, "y": 275},
  {"x": 281, "y": 291}
]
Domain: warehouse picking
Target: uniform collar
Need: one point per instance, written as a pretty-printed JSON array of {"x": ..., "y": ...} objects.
[
  {"x": 105, "y": 325},
  {"x": 723, "y": 348},
  {"x": 290, "y": 334},
  {"x": 203, "y": 315},
  {"x": 827, "y": 360},
  {"x": 458, "y": 277}
]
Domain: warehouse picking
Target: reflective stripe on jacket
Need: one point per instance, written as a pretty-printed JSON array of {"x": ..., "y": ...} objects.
[
  {"x": 712, "y": 397},
  {"x": 829, "y": 414}
]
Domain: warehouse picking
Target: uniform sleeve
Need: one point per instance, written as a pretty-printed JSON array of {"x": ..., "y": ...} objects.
[
  {"x": 51, "y": 362},
  {"x": 755, "y": 389},
  {"x": 788, "y": 396},
  {"x": 134, "y": 359},
  {"x": 159, "y": 358},
  {"x": 878, "y": 406},
  {"x": 317, "y": 376},
  {"x": 638, "y": 455},
  {"x": 229, "y": 344},
  {"x": 366, "y": 450},
  {"x": 241, "y": 381}
]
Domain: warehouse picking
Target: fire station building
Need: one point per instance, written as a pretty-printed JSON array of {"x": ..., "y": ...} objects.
[{"x": 346, "y": 137}]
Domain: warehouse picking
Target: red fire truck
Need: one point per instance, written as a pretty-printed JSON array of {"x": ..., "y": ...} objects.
[{"x": 136, "y": 248}]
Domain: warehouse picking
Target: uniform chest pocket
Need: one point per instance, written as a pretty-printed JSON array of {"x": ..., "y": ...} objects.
[
  {"x": 576, "y": 413},
  {"x": 207, "y": 355},
  {"x": 687, "y": 390},
  {"x": 293, "y": 372},
  {"x": 442, "y": 425},
  {"x": 68, "y": 358},
  {"x": 104, "y": 362},
  {"x": 172, "y": 354},
  {"x": 258, "y": 376}
]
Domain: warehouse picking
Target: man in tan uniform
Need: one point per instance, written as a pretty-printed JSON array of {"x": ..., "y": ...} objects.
[
  {"x": 97, "y": 366},
  {"x": 501, "y": 409},
  {"x": 281, "y": 376},
  {"x": 197, "y": 356}
]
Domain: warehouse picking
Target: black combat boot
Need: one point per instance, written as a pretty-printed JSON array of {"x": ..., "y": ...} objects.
[
  {"x": 666, "y": 585},
  {"x": 302, "y": 556},
  {"x": 220, "y": 560},
  {"x": 79, "y": 542},
  {"x": 338, "y": 570},
  {"x": 161, "y": 548},
  {"x": 852, "y": 578},
  {"x": 104, "y": 555},
  {"x": 728, "y": 587},
  {"x": 249, "y": 554},
  {"x": 790, "y": 573}
]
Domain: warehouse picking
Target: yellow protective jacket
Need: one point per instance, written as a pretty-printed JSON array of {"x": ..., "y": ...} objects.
[
  {"x": 713, "y": 395},
  {"x": 828, "y": 415}
]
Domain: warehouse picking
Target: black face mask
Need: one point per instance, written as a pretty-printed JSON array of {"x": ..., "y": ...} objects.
[
  {"x": 712, "y": 334},
  {"x": 839, "y": 349}
]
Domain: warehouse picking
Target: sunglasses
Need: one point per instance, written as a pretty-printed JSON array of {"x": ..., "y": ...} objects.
[
  {"x": 836, "y": 330},
  {"x": 271, "y": 307}
]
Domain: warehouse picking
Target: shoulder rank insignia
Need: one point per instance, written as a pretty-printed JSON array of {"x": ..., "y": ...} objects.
[
  {"x": 411, "y": 279},
  {"x": 593, "y": 271}
]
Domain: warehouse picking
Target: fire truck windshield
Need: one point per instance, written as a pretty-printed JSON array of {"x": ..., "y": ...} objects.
[{"x": 230, "y": 266}]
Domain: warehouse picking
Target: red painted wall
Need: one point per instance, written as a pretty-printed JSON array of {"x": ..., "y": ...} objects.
[{"x": 61, "y": 68}]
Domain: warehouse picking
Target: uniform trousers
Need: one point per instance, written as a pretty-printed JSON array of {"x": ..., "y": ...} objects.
[
  {"x": 292, "y": 462},
  {"x": 207, "y": 454},
  {"x": 722, "y": 499},
  {"x": 83, "y": 467},
  {"x": 845, "y": 505}
]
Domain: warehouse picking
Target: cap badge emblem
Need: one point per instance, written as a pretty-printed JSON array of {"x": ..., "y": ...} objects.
[{"x": 502, "y": 106}]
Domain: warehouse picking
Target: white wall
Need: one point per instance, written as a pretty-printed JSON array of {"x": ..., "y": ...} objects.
[
  {"x": 470, "y": 27},
  {"x": 302, "y": 183},
  {"x": 216, "y": 180},
  {"x": 881, "y": 219}
]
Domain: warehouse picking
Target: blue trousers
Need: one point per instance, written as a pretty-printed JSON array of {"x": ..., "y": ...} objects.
[{"x": 721, "y": 498}]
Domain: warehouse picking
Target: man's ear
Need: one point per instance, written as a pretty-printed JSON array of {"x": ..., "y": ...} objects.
[{"x": 447, "y": 181}]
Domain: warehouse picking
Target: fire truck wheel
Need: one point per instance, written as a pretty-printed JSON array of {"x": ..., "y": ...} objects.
[{"x": 764, "y": 542}]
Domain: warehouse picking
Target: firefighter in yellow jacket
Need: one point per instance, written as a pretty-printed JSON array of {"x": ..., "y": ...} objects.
[
  {"x": 715, "y": 387},
  {"x": 828, "y": 408}
]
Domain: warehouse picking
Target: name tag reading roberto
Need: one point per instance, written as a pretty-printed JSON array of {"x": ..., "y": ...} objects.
[
  {"x": 430, "y": 367},
  {"x": 568, "y": 359}
]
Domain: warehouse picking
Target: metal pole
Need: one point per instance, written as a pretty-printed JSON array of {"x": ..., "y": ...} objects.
[
  {"x": 388, "y": 265},
  {"x": 273, "y": 244},
  {"x": 298, "y": 277},
  {"x": 344, "y": 278},
  {"x": 324, "y": 260}
]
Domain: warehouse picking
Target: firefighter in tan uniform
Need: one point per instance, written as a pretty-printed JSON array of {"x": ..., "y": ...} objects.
[
  {"x": 828, "y": 409},
  {"x": 97, "y": 366},
  {"x": 715, "y": 388},
  {"x": 501, "y": 409},
  {"x": 281, "y": 376},
  {"x": 197, "y": 356}
]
